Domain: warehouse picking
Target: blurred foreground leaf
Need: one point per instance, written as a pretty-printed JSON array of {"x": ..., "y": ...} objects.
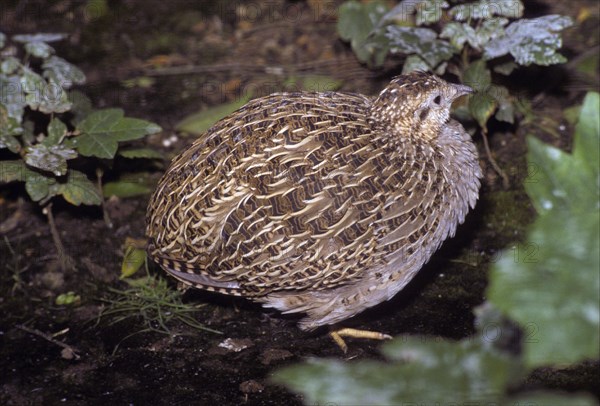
[
  {"x": 551, "y": 283},
  {"x": 198, "y": 123}
]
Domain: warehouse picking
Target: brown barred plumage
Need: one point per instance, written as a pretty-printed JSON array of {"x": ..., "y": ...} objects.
[{"x": 321, "y": 203}]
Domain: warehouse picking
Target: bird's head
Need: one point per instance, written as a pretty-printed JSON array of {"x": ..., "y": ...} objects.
[{"x": 416, "y": 105}]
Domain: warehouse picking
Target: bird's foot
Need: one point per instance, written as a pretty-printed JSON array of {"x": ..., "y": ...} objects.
[{"x": 352, "y": 332}]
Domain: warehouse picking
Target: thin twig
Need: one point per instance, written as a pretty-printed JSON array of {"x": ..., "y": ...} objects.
[
  {"x": 488, "y": 152},
  {"x": 107, "y": 220},
  {"x": 48, "y": 337}
]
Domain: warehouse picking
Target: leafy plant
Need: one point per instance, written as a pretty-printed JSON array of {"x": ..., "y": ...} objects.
[
  {"x": 479, "y": 42},
  {"x": 46, "y": 127},
  {"x": 552, "y": 292}
]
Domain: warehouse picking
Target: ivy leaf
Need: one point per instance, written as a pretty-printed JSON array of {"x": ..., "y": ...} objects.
[
  {"x": 459, "y": 34},
  {"x": 102, "y": 130},
  {"x": 416, "y": 373},
  {"x": 486, "y": 9},
  {"x": 60, "y": 71},
  {"x": 51, "y": 158},
  {"x": 586, "y": 144},
  {"x": 419, "y": 41},
  {"x": 132, "y": 261},
  {"x": 531, "y": 41},
  {"x": 39, "y": 49}
]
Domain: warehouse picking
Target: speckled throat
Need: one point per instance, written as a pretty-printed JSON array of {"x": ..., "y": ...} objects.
[{"x": 321, "y": 203}]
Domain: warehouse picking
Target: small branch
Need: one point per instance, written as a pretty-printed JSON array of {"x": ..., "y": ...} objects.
[
  {"x": 488, "y": 152},
  {"x": 67, "y": 349},
  {"x": 66, "y": 262}
]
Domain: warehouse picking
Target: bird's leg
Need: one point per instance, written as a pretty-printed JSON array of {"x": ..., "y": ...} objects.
[{"x": 352, "y": 332}]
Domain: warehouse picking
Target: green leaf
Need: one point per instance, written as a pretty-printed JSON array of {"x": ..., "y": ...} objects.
[
  {"x": 414, "y": 63},
  {"x": 562, "y": 252},
  {"x": 51, "y": 158},
  {"x": 422, "y": 370},
  {"x": 102, "y": 130},
  {"x": 587, "y": 133},
  {"x": 11, "y": 96},
  {"x": 2, "y": 40},
  {"x": 531, "y": 41},
  {"x": 320, "y": 83},
  {"x": 486, "y": 9},
  {"x": 459, "y": 34},
  {"x": 125, "y": 188},
  {"x": 77, "y": 189},
  {"x": 147, "y": 153},
  {"x": 358, "y": 23},
  {"x": 47, "y": 97},
  {"x": 38, "y": 185},
  {"x": 562, "y": 256},
  {"x": 39, "y": 49},
  {"x": 45, "y": 37},
  {"x": 9, "y": 65},
  {"x": 9, "y": 128},
  {"x": 419, "y": 41},
  {"x": 56, "y": 131},
  {"x": 198, "y": 123},
  {"x": 430, "y": 11},
  {"x": 481, "y": 107},
  {"x": 60, "y": 71},
  {"x": 478, "y": 76},
  {"x": 12, "y": 171},
  {"x": 132, "y": 261}
]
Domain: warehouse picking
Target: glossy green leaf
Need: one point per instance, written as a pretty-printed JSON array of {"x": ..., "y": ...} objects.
[
  {"x": 9, "y": 129},
  {"x": 422, "y": 370},
  {"x": 486, "y": 9},
  {"x": 102, "y": 130},
  {"x": 51, "y": 158},
  {"x": 198, "y": 123},
  {"x": 414, "y": 63},
  {"x": 531, "y": 41},
  {"x": 419, "y": 41}
]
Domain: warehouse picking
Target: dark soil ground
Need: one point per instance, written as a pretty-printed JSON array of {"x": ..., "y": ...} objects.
[{"x": 232, "y": 47}]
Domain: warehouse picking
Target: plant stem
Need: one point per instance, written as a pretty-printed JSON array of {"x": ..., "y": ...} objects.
[
  {"x": 66, "y": 262},
  {"x": 488, "y": 152},
  {"x": 107, "y": 220}
]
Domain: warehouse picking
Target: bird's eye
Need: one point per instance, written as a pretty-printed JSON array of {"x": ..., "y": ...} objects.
[{"x": 437, "y": 99}]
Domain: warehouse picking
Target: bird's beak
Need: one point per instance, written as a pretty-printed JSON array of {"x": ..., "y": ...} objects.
[{"x": 462, "y": 90}]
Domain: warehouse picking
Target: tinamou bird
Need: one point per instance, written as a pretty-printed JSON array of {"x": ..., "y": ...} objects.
[{"x": 318, "y": 203}]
